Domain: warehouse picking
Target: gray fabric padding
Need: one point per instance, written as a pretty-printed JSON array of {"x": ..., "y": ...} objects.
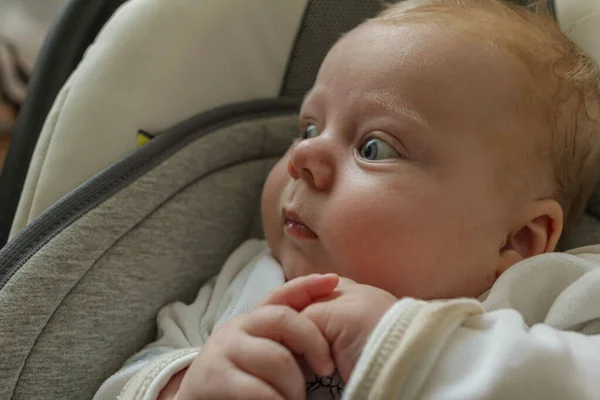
[
  {"x": 593, "y": 205},
  {"x": 585, "y": 233},
  {"x": 587, "y": 230},
  {"x": 88, "y": 299},
  {"x": 324, "y": 22}
]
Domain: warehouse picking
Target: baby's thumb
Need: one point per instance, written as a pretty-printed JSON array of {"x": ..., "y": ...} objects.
[{"x": 301, "y": 292}]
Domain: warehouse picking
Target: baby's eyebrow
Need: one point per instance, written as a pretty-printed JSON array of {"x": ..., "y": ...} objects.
[{"x": 394, "y": 107}]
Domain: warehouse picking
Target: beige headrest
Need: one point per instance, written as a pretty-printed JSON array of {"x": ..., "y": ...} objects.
[{"x": 580, "y": 21}]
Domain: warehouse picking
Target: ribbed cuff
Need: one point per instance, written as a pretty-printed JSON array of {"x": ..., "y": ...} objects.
[
  {"x": 148, "y": 383},
  {"x": 387, "y": 335}
]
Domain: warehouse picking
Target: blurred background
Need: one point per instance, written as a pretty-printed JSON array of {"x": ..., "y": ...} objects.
[{"x": 23, "y": 27}]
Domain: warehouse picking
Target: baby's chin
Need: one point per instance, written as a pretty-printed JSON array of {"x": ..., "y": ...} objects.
[
  {"x": 295, "y": 268},
  {"x": 296, "y": 264}
]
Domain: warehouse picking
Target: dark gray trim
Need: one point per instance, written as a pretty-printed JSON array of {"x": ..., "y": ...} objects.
[{"x": 113, "y": 179}]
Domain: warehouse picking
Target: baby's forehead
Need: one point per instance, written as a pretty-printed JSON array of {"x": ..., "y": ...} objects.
[
  {"x": 413, "y": 51},
  {"x": 444, "y": 74}
]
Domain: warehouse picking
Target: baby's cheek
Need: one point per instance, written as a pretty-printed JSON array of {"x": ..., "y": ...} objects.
[
  {"x": 271, "y": 204},
  {"x": 390, "y": 248},
  {"x": 361, "y": 241}
]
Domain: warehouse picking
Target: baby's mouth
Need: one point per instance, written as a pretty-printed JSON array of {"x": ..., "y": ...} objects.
[{"x": 294, "y": 226}]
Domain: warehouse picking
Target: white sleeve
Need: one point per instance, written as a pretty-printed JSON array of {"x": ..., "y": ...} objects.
[
  {"x": 535, "y": 336},
  {"x": 452, "y": 350},
  {"x": 144, "y": 379},
  {"x": 497, "y": 356},
  {"x": 403, "y": 346}
]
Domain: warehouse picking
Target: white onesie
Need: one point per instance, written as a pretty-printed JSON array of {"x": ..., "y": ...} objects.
[{"x": 247, "y": 277}]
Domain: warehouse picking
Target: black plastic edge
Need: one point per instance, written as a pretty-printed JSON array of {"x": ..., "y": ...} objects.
[{"x": 552, "y": 8}]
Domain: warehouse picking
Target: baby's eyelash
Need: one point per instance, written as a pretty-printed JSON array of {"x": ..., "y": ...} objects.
[{"x": 304, "y": 122}]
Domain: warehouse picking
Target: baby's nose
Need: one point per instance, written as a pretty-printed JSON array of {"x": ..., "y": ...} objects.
[{"x": 312, "y": 161}]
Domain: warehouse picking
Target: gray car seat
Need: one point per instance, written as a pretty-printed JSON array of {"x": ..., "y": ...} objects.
[{"x": 81, "y": 284}]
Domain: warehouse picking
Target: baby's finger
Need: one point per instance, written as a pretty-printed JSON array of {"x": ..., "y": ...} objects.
[
  {"x": 303, "y": 291},
  {"x": 294, "y": 331},
  {"x": 270, "y": 362}
]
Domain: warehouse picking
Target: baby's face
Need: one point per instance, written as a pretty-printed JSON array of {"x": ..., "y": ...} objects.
[{"x": 397, "y": 181}]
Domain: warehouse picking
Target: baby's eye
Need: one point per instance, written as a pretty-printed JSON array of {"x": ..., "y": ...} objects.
[
  {"x": 310, "y": 132},
  {"x": 377, "y": 149}
]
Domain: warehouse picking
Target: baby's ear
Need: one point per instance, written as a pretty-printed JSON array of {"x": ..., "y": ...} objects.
[{"x": 537, "y": 232}]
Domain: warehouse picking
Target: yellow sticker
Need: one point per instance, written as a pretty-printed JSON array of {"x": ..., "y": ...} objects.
[{"x": 143, "y": 137}]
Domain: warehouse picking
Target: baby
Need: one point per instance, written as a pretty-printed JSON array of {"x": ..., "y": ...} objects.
[{"x": 443, "y": 142}]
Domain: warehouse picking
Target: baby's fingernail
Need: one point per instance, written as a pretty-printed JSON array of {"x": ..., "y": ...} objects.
[
  {"x": 331, "y": 277},
  {"x": 328, "y": 275},
  {"x": 328, "y": 369}
]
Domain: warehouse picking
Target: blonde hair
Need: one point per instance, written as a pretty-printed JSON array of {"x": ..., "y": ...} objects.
[{"x": 564, "y": 89}]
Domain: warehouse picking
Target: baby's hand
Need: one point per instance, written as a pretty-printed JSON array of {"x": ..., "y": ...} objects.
[
  {"x": 253, "y": 355},
  {"x": 346, "y": 317}
]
